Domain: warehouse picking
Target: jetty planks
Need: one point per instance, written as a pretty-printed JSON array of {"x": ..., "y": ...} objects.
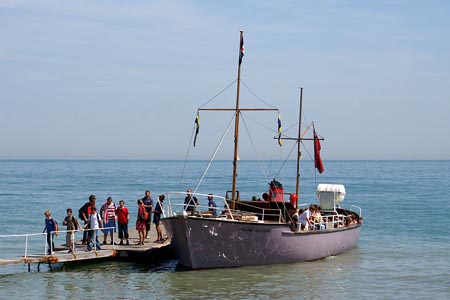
[{"x": 61, "y": 255}]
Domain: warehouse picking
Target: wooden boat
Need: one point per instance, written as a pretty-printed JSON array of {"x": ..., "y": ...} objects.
[{"x": 260, "y": 232}]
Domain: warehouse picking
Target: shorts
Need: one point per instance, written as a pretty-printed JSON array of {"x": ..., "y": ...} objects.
[
  {"x": 140, "y": 226},
  {"x": 111, "y": 223}
]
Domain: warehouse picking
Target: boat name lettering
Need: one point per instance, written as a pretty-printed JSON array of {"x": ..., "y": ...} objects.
[{"x": 254, "y": 230}]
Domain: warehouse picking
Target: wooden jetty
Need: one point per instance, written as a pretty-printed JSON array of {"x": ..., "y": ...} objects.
[{"x": 150, "y": 251}]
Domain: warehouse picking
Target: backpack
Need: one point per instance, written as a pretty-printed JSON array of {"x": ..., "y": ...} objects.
[
  {"x": 82, "y": 210},
  {"x": 144, "y": 215},
  {"x": 76, "y": 225}
]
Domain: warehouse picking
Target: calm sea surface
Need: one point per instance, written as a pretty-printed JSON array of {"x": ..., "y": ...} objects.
[{"x": 403, "y": 251}]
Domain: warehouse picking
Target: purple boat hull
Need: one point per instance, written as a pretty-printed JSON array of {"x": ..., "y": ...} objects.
[{"x": 202, "y": 243}]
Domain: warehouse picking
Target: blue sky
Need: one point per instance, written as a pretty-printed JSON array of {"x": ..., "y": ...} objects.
[{"x": 123, "y": 79}]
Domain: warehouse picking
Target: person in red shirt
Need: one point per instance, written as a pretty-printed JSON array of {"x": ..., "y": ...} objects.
[
  {"x": 141, "y": 221},
  {"x": 122, "y": 222}
]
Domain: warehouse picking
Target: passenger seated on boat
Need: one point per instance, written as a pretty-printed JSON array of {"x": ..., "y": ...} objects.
[
  {"x": 317, "y": 219},
  {"x": 265, "y": 197},
  {"x": 333, "y": 220},
  {"x": 295, "y": 218},
  {"x": 190, "y": 202},
  {"x": 305, "y": 218},
  {"x": 225, "y": 210},
  {"x": 230, "y": 213},
  {"x": 350, "y": 220},
  {"x": 212, "y": 206}
]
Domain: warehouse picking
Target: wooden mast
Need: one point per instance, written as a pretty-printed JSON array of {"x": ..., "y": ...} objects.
[
  {"x": 237, "y": 110},
  {"x": 299, "y": 154},
  {"x": 236, "y": 124}
]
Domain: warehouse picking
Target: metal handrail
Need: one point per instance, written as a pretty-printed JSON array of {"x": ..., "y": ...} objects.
[
  {"x": 26, "y": 239},
  {"x": 278, "y": 212},
  {"x": 360, "y": 211},
  {"x": 263, "y": 211},
  {"x": 170, "y": 211},
  {"x": 44, "y": 234}
]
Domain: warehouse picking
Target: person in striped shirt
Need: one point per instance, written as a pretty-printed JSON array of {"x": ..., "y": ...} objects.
[{"x": 108, "y": 213}]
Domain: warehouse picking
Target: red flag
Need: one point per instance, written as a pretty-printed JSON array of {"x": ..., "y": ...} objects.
[{"x": 317, "y": 160}]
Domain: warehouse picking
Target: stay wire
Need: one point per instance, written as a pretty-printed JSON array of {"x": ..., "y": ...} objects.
[
  {"x": 218, "y": 93},
  {"x": 259, "y": 98},
  {"x": 187, "y": 154},
  {"x": 261, "y": 124},
  {"x": 214, "y": 154},
  {"x": 292, "y": 150},
  {"x": 285, "y": 160},
  {"x": 258, "y": 157}
]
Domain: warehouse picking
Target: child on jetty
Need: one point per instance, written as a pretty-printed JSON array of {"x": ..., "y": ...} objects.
[
  {"x": 141, "y": 221},
  {"x": 95, "y": 223},
  {"x": 123, "y": 217},
  {"x": 72, "y": 224},
  {"x": 51, "y": 227}
]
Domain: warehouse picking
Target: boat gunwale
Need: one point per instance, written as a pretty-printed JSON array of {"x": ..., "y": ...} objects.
[{"x": 268, "y": 223}]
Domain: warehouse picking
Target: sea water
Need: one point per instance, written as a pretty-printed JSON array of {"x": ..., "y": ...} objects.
[{"x": 403, "y": 251}]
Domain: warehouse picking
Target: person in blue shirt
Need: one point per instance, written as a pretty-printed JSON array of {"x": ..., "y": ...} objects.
[
  {"x": 51, "y": 227},
  {"x": 157, "y": 218},
  {"x": 212, "y": 205},
  {"x": 190, "y": 202},
  {"x": 148, "y": 204}
]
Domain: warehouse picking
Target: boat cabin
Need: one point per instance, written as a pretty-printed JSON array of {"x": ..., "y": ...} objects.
[{"x": 330, "y": 196}]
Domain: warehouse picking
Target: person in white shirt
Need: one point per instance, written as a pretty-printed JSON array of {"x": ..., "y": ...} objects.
[
  {"x": 94, "y": 224},
  {"x": 306, "y": 217}
]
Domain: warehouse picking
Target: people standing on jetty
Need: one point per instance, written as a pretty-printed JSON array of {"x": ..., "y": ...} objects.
[
  {"x": 212, "y": 205},
  {"x": 123, "y": 217},
  {"x": 190, "y": 202},
  {"x": 141, "y": 221},
  {"x": 84, "y": 213},
  {"x": 71, "y": 224},
  {"x": 148, "y": 204},
  {"x": 51, "y": 227},
  {"x": 157, "y": 218},
  {"x": 94, "y": 224},
  {"x": 108, "y": 213}
]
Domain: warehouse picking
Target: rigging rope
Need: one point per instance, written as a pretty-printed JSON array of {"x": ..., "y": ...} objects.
[
  {"x": 284, "y": 162},
  {"x": 187, "y": 154},
  {"x": 266, "y": 174},
  {"x": 218, "y": 94},
  {"x": 292, "y": 150},
  {"x": 261, "y": 124},
  {"x": 259, "y": 98},
  {"x": 214, "y": 154}
]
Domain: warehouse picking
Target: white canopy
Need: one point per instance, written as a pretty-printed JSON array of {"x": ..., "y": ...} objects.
[{"x": 337, "y": 189}]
